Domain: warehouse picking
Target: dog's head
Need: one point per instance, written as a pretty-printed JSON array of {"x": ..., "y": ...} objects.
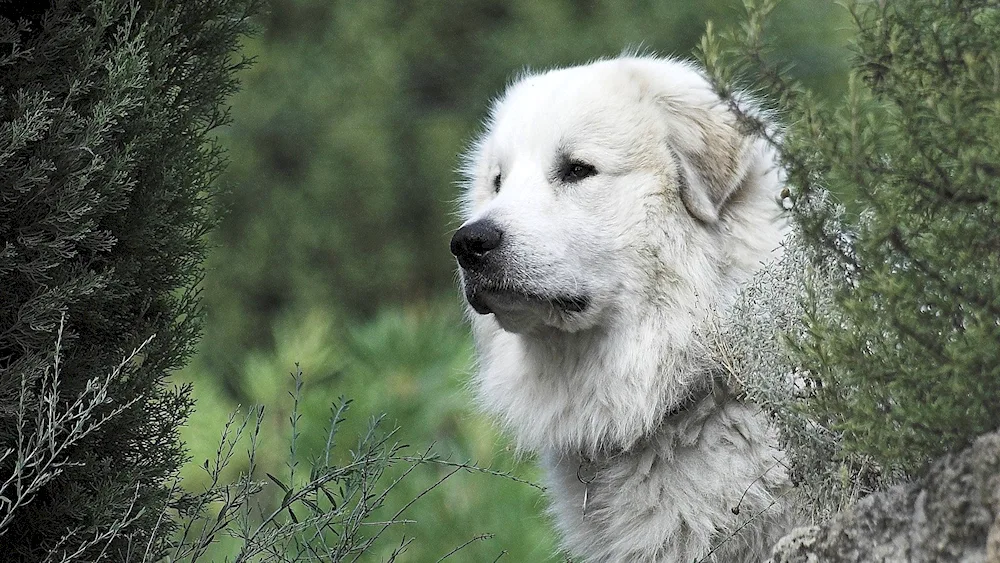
[{"x": 602, "y": 188}]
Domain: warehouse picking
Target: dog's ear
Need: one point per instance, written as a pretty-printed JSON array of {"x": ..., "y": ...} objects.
[
  {"x": 712, "y": 166},
  {"x": 712, "y": 156}
]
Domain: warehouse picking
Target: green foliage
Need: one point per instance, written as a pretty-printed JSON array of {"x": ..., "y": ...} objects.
[
  {"x": 49, "y": 425},
  {"x": 412, "y": 365},
  {"x": 105, "y": 108},
  {"x": 338, "y": 510},
  {"x": 339, "y": 505},
  {"x": 905, "y": 360},
  {"x": 753, "y": 343}
]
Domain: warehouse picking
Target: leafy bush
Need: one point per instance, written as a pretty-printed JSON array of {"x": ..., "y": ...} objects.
[
  {"x": 903, "y": 363},
  {"x": 753, "y": 344},
  {"x": 106, "y": 167},
  {"x": 413, "y": 365},
  {"x": 343, "y": 506},
  {"x": 338, "y": 510}
]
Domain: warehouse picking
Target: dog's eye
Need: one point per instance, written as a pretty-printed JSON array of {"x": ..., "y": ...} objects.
[
  {"x": 574, "y": 171},
  {"x": 496, "y": 183}
]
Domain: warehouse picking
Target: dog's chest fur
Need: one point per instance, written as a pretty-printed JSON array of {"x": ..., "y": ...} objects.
[
  {"x": 704, "y": 487},
  {"x": 702, "y": 484}
]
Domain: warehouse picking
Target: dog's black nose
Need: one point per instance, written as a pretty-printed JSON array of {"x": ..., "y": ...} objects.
[{"x": 474, "y": 241}]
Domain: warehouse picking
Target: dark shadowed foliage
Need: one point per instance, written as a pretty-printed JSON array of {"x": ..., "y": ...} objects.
[{"x": 105, "y": 171}]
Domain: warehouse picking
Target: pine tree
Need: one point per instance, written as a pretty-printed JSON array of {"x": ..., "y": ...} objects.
[
  {"x": 106, "y": 171},
  {"x": 906, "y": 360}
]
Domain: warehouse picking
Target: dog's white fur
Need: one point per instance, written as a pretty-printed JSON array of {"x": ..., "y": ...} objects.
[{"x": 681, "y": 208}]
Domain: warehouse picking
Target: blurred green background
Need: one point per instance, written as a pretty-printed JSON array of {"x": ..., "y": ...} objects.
[{"x": 334, "y": 250}]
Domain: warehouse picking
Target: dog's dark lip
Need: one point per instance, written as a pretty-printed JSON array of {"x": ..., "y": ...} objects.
[
  {"x": 478, "y": 305},
  {"x": 480, "y": 297}
]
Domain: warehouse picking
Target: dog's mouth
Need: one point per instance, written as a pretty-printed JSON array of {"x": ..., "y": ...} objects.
[{"x": 486, "y": 300}]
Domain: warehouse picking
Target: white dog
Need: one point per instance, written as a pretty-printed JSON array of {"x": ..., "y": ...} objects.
[{"x": 609, "y": 208}]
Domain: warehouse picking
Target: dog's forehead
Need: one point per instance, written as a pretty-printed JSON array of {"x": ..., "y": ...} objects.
[
  {"x": 581, "y": 86},
  {"x": 562, "y": 102},
  {"x": 617, "y": 102}
]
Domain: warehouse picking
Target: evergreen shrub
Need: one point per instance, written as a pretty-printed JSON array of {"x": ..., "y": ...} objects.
[
  {"x": 899, "y": 346},
  {"x": 106, "y": 182}
]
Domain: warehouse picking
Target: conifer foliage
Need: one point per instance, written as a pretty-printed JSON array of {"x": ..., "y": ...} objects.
[
  {"x": 106, "y": 170},
  {"x": 906, "y": 361}
]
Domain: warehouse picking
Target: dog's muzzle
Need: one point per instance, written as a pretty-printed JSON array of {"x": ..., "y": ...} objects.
[{"x": 488, "y": 283}]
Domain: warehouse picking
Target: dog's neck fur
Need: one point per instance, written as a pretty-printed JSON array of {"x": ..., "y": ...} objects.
[
  {"x": 596, "y": 390},
  {"x": 714, "y": 390},
  {"x": 669, "y": 475},
  {"x": 707, "y": 486}
]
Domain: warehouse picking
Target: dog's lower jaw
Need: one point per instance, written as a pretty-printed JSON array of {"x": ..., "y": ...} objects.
[
  {"x": 684, "y": 494},
  {"x": 560, "y": 314}
]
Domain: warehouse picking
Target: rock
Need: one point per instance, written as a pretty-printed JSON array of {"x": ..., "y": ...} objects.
[{"x": 949, "y": 515}]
